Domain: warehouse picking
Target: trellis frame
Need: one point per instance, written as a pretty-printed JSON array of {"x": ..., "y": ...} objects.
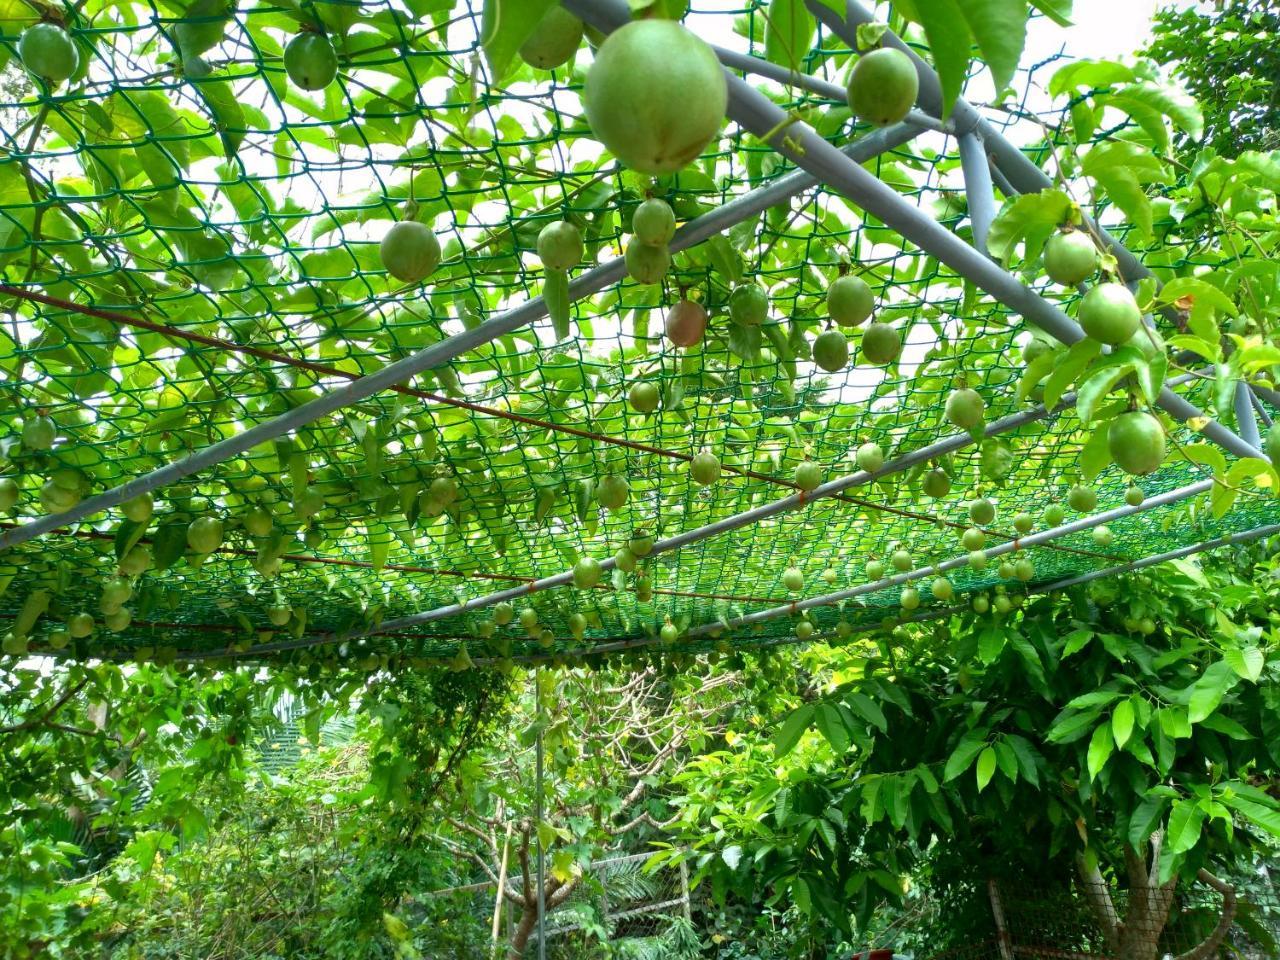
[{"x": 819, "y": 162}]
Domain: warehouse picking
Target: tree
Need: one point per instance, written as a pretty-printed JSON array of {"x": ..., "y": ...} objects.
[
  {"x": 1128, "y": 733},
  {"x": 1228, "y": 60}
]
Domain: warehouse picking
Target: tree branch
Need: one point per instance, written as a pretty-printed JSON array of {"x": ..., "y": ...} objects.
[
  {"x": 1209, "y": 946},
  {"x": 44, "y": 718},
  {"x": 1099, "y": 899}
]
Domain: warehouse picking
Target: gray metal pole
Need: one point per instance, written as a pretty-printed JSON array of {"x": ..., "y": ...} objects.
[
  {"x": 1031, "y": 540},
  {"x": 537, "y": 806},
  {"x": 977, "y": 187},
  {"x": 1259, "y": 409},
  {"x": 588, "y": 283},
  {"x": 1246, "y": 422}
]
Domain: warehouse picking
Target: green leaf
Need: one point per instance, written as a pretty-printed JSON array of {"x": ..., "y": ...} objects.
[
  {"x": 1037, "y": 370},
  {"x": 1101, "y": 746},
  {"x": 1143, "y": 820},
  {"x": 1000, "y": 29},
  {"x": 831, "y": 726},
  {"x": 1101, "y": 380},
  {"x": 1071, "y": 726},
  {"x": 228, "y": 115},
  {"x": 555, "y": 291},
  {"x": 1122, "y": 722},
  {"x": 1076, "y": 641},
  {"x": 1185, "y": 822},
  {"x": 127, "y": 535},
  {"x": 962, "y": 757},
  {"x": 788, "y": 735},
  {"x": 869, "y": 710},
  {"x": 1029, "y": 219},
  {"x": 1247, "y": 662},
  {"x": 726, "y": 260},
  {"x": 1088, "y": 75},
  {"x": 1266, "y": 816},
  {"x": 1026, "y": 756},
  {"x": 1149, "y": 103},
  {"x": 506, "y": 25},
  {"x": 1096, "y": 453},
  {"x": 986, "y": 767},
  {"x": 1079, "y": 356},
  {"x": 1122, "y": 169},
  {"x": 950, "y": 40},
  {"x": 991, "y": 643},
  {"x": 1059, "y": 11},
  {"x": 788, "y": 37},
  {"x": 1208, "y": 691}
]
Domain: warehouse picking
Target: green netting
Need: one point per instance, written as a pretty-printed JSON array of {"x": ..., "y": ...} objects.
[{"x": 234, "y": 219}]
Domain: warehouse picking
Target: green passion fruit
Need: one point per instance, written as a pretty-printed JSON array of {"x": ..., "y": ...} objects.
[
  {"x": 39, "y": 432},
  {"x": 613, "y": 492},
  {"x": 48, "y": 52},
  {"x": 647, "y": 264},
  {"x": 704, "y": 468},
  {"x": 982, "y": 511},
  {"x": 942, "y": 589},
  {"x": 1102, "y": 536},
  {"x": 973, "y": 539},
  {"x": 686, "y": 323},
  {"x": 1023, "y": 522},
  {"x": 1109, "y": 313},
  {"x": 140, "y": 508},
  {"x": 1070, "y": 258},
  {"x": 964, "y": 408},
  {"x": 808, "y": 476},
  {"x": 881, "y": 344},
  {"x": 875, "y": 569},
  {"x": 804, "y": 630},
  {"x": 936, "y": 483},
  {"x": 901, "y": 560},
  {"x": 410, "y": 252},
  {"x": 909, "y": 598},
  {"x": 793, "y": 579},
  {"x": 655, "y": 95},
  {"x": 1136, "y": 442},
  {"x": 204, "y": 534},
  {"x": 644, "y": 396},
  {"x": 587, "y": 573},
  {"x": 80, "y": 625},
  {"x": 883, "y": 86},
  {"x": 9, "y": 492},
  {"x": 849, "y": 301},
  {"x": 869, "y": 457},
  {"x": 669, "y": 633},
  {"x": 1134, "y": 496},
  {"x": 258, "y": 523},
  {"x": 1082, "y": 499},
  {"x": 311, "y": 61},
  {"x": 1024, "y": 569},
  {"x": 1054, "y": 515},
  {"x": 748, "y": 305},
  {"x": 831, "y": 351},
  {"x": 654, "y": 222},
  {"x": 554, "y": 40},
  {"x": 503, "y": 613},
  {"x": 560, "y": 245}
]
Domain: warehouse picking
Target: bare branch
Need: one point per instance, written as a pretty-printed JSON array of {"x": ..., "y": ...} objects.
[{"x": 1209, "y": 946}]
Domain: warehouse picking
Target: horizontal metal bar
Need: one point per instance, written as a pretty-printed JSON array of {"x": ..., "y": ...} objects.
[
  {"x": 773, "y": 71},
  {"x": 585, "y": 285},
  {"x": 935, "y": 570}
]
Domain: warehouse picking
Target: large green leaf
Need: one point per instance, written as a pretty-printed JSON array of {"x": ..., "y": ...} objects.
[
  {"x": 1000, "y": 29},
  {"x": 788, "y": 33},
  {"x": 506, "y": 25}
]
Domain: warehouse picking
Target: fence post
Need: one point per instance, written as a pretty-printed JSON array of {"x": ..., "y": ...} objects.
[{"x": 1003, "y": 940}]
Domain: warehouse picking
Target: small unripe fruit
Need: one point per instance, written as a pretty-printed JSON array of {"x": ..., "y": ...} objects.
[
  {"x": 39, "y": 433},
  {"x": 1054, "y": 515},
  {"x": 982, "y": 511},
  {"x": 1024, "y": 569},
  {"x": 977, "y": 560},
  {"x": 586, "y": 573},
  {"x": 704, "y": 468},
  {"x": 644, "y": 589},
  {"x": 804, "y": 630},
  {"x": 936, "y": 483},
  {"x": 748, "y": 305},
  {"x": 981, "y": 604},
  {"x": 1070, "y": 258},
  {"x": 1134, "y": 496},
  {"x": 137, "y": 561},
  {"x": 942, "y": 589},
  {"x": 869, "y": 457},
  {"x": 48, "y": 52},
  {"x": 901, "y": 560},
  {"x": 560, "y": 245},
  {"x": 8, "y": 493},
  {"x": 881, "y": 344},
  {"x": 503, "y": 614},
  {"x": 831, "y": 351},
  {"x": 554, "y": 40},
  {"x": 654, "y": 223},
  {"x": 973, "y": 539},
  {"x": 910, "y": 598},
  {"x": 808, "y": 476},
  {"x": 1023, "y": 522},
  {"x": 875, "y": 569},
  {"x": 1005, "y": 570},
  {"x": 310, "y": 61},
  {"x": 1109, "y": 313},
  {"x": 258, "y": 523},
  {"x": 1136, "y": 442},
  {"x": 529, "y": 619},
  {"x": 883, "y": 86},
  {"x": 140, "y": 508},
  {"x": 80, "y": 625},
  {"x": 118, "y": 620},
  {"x": 625, "y": 560},
  {"x": 793, "y": 579},
  {"x": 686, "y": 323},
  {"x": 964, "y": 408},
  {"x": 1003, "y": 604},
  {"x": 279, "y": 615},
  {"x": 644, "y": 396},
  {"x": 849, "y": 301},
  {"x": 1082, "y": 499},
  {"x": 647, "y": 264},
  {"x": 829, "y": 576},
  {"x": 577, "y": 625},
  {"x": 641, "y": 543},
  {"x": 669, "y": 633},
  {"x": 613, "y": 492},
  {"x": 409, "y": 251},
  {"x": 204, "y": 535},
  {"x": 1102, "y": 536}
]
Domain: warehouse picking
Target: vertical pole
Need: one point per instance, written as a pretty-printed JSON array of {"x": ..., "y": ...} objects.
[
  {"x": 537, "y": 806},
  {"x": 1246, "y": 422},
  {"x": 502, "y": 886},
  {"x": 1003, "y": 940},
  {"x": 684, "y": 890},
  {"x": 977, "y": 186}
]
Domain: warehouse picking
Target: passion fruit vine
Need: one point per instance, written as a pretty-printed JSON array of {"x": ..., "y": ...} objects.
[{"x": 655, "y": 95}]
